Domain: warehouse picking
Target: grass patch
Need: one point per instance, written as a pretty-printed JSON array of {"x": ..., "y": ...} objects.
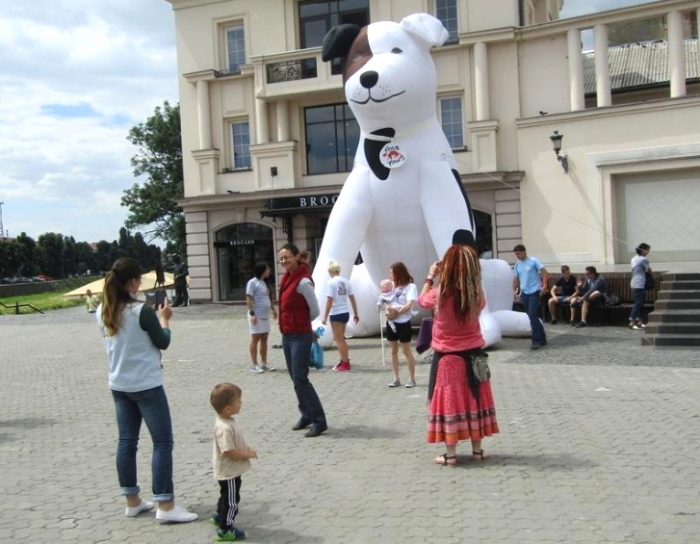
[{"x": 51, "y": 300}]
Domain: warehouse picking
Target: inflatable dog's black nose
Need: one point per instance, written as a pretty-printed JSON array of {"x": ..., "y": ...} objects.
[{"x": 369, "y": 79}]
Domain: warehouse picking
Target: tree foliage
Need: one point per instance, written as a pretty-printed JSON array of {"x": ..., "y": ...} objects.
[
  {"x": 59, "y": 256},
  {"x": 152, "y": 204}
]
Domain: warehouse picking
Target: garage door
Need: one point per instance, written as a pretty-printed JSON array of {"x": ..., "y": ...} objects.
[{"x": 661, "y": 209}]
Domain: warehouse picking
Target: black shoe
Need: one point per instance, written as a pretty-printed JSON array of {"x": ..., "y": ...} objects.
[
  {"x": 581, "y": 325},
  {"x": 535, "y": 346},
  {"x": 553, "y": 322},
  {"x": 301, "y": 424},
  {"x": 316, "y": 430}
]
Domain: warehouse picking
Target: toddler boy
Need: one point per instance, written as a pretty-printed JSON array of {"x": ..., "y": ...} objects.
[{"x": 231, "y": 459}]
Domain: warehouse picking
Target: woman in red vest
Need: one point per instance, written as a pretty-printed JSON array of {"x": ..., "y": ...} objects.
[{"x": 298, "y": 307}]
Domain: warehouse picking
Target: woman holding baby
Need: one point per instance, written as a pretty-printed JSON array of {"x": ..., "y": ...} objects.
[{"x": 400, "y": 312}]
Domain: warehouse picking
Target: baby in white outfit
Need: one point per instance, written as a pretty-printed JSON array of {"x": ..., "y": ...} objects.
[{"x": 387, "y": 300}]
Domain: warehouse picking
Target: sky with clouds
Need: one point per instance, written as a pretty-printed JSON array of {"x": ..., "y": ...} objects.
[{"x": 76, "y": 75}]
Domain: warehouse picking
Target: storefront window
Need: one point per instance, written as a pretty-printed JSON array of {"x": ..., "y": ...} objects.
[{"x": 238, "y": 248}]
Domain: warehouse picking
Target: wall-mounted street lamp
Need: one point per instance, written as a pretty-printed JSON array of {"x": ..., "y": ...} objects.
[{"x": 556, "y": 144}]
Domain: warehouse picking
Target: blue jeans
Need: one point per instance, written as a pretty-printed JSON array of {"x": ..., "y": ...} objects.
[
  {"x": 297, "y": 349},
  {"x": 638, "y": 300},
  {"x": 150, "y": 406},
  {"x": 532, "y": 307}
]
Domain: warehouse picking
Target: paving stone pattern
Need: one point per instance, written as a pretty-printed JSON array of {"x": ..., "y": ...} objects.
[{"x": 599, "y": 443}]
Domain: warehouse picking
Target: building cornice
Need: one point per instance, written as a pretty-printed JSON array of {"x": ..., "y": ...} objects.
[
  {"x": 206, "y": 202},
  {"x": 662, "y": 104},
  {"x": 582, "y": 22}
]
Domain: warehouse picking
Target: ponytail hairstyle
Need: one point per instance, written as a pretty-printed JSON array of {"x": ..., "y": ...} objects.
[
  {"x": 460, "y": 280},
  {"x": 115, "y": 295}
]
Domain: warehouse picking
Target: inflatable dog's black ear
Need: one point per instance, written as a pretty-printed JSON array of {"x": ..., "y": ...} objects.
[{"x": 338, "y": 41}]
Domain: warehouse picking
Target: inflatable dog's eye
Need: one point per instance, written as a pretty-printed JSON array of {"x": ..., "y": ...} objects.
[{"x": 397, "y": 50}]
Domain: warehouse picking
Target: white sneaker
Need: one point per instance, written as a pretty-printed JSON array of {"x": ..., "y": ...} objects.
[
  {"x": 395, "y": 383},
  {"x": 256, "y": 370},
  {"x": 410, "y": 384},
  {"x": 133, "y": 511},
  {"x": 177, "y": 515}
]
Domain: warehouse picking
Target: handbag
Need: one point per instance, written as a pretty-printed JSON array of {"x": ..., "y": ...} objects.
[
  {"x": 316, "y": 355},
  {"x": 425, "y": 335},
  {"x": 480, "y": 366},
  {"x": 649, "y": 281}
]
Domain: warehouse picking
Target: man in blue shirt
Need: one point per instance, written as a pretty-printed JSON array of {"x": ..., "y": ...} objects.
[{"x": 529, "y": 278}]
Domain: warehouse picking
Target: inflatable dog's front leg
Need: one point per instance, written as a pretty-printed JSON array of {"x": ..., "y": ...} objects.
[{"x": 346, "y": 229}]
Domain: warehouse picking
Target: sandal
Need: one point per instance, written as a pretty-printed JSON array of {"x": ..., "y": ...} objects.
[
  {"x": 478, "y": 455},
  {"x": 446, "y": 460}
]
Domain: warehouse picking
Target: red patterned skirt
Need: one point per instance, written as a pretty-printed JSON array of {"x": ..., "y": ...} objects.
[{"x": 454, "y": 413}]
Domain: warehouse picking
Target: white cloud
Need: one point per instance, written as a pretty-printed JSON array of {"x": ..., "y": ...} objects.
[{"x": 114, "y": 61}]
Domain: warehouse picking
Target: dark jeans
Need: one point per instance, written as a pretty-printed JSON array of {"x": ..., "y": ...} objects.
[
  {"x": 152, "y": 407},
  {"x": 297, "y": 349},
  {"x": 182, "y": 297},
  {"x": 532, "y": 307},
  {"x": 638, "y": 300}
]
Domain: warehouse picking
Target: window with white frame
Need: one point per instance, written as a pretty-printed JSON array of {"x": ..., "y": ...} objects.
[
  {"x": 451, "y": 120},
  {"x": 446, "y": 11},
  {"x": 240, "y": 142},
  {"x": 235, "y": 49}
]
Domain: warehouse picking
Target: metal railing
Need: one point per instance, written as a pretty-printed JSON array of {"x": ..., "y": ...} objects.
[{"x": 17, "y": 306}]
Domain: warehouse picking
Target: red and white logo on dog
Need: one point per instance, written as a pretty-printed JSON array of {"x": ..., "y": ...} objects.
[{"x": 392, "y": 156}]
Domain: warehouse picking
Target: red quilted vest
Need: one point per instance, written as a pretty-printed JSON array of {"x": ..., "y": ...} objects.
[{"x": 294, "y": 311}]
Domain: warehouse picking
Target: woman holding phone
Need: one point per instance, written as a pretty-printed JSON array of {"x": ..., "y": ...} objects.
[{"x": 133, "y": 335}]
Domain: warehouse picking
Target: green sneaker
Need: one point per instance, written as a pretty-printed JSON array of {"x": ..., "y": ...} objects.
[
  {"x": 232, "y": 535},
  {"x": 214, "y": 519}
]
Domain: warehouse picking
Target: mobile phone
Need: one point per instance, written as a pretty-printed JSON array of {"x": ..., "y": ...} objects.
[{"x": 161, "y": 297}]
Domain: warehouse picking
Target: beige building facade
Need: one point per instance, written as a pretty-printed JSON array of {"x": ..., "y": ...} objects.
[{"x": 268, "y": 139}]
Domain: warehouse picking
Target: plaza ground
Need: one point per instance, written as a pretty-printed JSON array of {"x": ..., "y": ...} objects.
[{"x": 599, "y": 442}]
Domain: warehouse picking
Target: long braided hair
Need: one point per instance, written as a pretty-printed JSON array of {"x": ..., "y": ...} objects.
[{"x": 460, "y": 280}]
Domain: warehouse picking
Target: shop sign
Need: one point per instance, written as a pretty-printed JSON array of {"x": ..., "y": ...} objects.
[
  {"x": 242, "y": 242},
  {"x": 303, "y": 202}
]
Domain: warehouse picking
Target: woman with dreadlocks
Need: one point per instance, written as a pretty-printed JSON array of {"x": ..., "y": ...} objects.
[{"x": 459, "y": 406}]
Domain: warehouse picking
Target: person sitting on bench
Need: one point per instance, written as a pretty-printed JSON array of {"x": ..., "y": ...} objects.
[
  {"x": 562, "y": 292},
  {"x": 593, "y": 290}
]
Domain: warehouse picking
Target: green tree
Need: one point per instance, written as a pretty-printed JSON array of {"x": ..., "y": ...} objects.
[
  {"x": 86, "y": 259},
  {"x": 27, "y": 249},
  {"x": 10, "y": 257},
  {"x": 152, "y": 205},
  {"x": 49, "y": 254},
  {"x": 70, "y": 263}
]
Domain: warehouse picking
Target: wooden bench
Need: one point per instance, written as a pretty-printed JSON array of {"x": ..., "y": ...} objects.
[{"x": 618, "y": 284}]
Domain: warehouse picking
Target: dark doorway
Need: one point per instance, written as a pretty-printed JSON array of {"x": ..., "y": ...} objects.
[{"x": 238, "y": 248}]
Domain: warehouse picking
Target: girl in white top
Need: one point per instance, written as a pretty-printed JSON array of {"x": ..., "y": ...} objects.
[
  {"x": 338, "y": 291},
  {"x": 259, "y": 304}
]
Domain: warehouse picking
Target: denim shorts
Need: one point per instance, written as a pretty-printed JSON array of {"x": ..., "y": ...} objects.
[{"x": 341, "y": 318}]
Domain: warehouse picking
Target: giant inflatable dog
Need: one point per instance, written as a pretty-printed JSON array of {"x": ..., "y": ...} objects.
[{"x": 403, "y": 199}]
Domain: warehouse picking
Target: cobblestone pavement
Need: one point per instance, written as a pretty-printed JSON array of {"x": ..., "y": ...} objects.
[{"x": 599, "y": 443}]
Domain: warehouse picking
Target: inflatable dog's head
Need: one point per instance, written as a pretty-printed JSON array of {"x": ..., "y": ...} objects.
[{"x": 389, "y": 75}]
